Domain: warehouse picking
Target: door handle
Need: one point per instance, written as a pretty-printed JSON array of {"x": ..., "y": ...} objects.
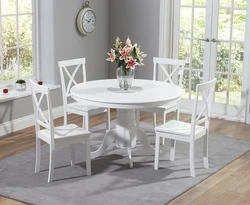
[
  {"x": 204, "y": 39},
  {"x": 215, "y": 41}
]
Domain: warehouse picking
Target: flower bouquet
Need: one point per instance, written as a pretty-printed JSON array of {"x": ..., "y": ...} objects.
[{"x": 127, "y": 55}]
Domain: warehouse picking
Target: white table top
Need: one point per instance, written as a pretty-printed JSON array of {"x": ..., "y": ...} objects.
[{"x": 144, "y": 93}]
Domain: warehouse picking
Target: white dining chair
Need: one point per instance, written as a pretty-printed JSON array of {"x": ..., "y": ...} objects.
[
  {"x": 55, "y": 136},
  {"x": 190, "y": 132},
  {"x": 173, "y": 70},
  {"x": 68, "y": 71}
]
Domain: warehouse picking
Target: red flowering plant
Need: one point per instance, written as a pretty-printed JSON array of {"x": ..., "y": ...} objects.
[{"x": 127, "y": 55}]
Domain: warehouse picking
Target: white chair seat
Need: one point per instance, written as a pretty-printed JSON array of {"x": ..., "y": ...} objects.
[
  {"x": 85, "y": 108},
  {"x": 160, "y": 109},
  {"x": 180, "y": 128},
  {"x": 64, "y": 132}
]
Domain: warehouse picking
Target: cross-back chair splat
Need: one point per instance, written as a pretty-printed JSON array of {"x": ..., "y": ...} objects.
[
  {"x": 71, "y": 79},
  {"x": 45, "y": 122}
]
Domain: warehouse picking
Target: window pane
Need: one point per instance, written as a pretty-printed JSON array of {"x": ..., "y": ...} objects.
[
  {"x": 222, "y": 57},
  {"x": 185, "y": 22},
  {"x": 224, "y": 24},
  {"x": 24, "y": 6},
  {"x": 239, "y": 23},
  {"x": 237, "y": 57},
  {"x": 227, "y": 3},
  {"x": 184, "y": 49},
  {"x": 8, "y": 7},
  {"x": 200, "y": 2},
  {"x": 26, "y": 66},
  {"x": 9, "y": 31},
  {"x": 186, "y": 2},
  {"x": 221, "y": 89},
  {"x": 10, "y": 64},
  {"x": 198, "y": 54},
  {"x": 235, "y": 90},
  {"x": 199, "y": 22},
  {"x": 196, "y": 78},
  {"x": 25, "y": 30},
  {"x": 240, "y": 3},
  {"x": 185, "y": 84}
]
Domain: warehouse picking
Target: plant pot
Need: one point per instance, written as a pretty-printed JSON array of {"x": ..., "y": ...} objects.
[{"x": 20, "y": 87}]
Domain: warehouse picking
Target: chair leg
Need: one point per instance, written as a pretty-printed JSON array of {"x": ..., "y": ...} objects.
[
  {"x": 108, "y": 120},
  {"x": 163, "y": 122},
  {"x": 177, "y": 115},
  {"x": 65, "y": 118},
  {"x": 154, "y": 122},
  {"x": 191, "y": 159},
  {"x": 172, "y": 149},
  {"x": 87, "y": 154},
  {"x": 51, "y": 163},
  {"x": 38, "y": 155},
  {"x": 72, "y": 155},
  {"x": 205, "y": 151},
  {"x": 130, "y": 157},
  {"x": 86, "y": 122},
  {"x": 157, "y": 151},
  {"x": 138, "y": 118}
]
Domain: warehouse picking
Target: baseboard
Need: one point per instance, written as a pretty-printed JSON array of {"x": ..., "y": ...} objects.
[{"x": 24, "y": 122}]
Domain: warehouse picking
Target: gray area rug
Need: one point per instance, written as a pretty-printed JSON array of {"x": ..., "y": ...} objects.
[{"x": 112, "y": 181}]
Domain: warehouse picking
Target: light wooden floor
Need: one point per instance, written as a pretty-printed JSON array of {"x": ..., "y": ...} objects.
[{"x": 230, "y": 185}]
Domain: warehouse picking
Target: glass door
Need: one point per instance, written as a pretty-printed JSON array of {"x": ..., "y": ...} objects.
[{"x": 210, "y": 35}]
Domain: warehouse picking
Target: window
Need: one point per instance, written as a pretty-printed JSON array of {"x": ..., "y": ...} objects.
[{"x": 17, "y": 39}]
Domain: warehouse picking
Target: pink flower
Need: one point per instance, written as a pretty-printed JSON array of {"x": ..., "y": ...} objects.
[
  {"x": 111, "y": 56},
  {"x": 128, "y": 42},
  {"x": 131, "y": 63},
  {"x": 125, "y": 54}
]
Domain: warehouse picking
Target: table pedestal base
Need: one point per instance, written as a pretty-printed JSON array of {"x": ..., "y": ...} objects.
[{"x": 125, "y": 134}]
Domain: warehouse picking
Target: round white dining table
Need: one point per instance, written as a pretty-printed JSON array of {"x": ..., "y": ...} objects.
[{"x": 143, "y": 94}]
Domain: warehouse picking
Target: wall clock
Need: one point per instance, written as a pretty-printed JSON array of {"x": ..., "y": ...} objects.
[{"x": 86, "y": 20}]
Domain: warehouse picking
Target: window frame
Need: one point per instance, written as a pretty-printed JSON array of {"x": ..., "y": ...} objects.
[{"x": 34, "y": 45}]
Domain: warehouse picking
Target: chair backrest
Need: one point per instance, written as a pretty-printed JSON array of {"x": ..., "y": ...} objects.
[
  {"x": 172, "y": 68},
  {"x": 203, "y": 116},
  {"x": 68, "y": 71},
  {"x": 41, "y": 119}
]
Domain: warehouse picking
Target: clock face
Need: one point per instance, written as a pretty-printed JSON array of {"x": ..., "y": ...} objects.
[{"x": 88, "y": 21}]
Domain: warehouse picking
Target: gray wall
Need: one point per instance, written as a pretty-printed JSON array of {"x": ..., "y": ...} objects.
[
  {"x": 138, "y": 19},
  {"x": 60, "y": 41}
]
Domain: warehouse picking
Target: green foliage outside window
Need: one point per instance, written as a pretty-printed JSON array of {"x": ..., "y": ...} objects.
[
  {"x": 228, "y": 60},
  {"x": 14, "y": 42}
]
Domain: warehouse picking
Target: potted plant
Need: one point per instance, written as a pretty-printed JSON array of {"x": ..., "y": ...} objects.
[
  {"x": 127, "y": 55},
  {"x": 20, "y": 85}
]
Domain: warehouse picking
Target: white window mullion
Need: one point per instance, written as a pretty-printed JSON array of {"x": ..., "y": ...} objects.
[
  {"x": 35, "y": 39},
  {"x": 17, "y": 40},
  {"x": 1, "y": 43},
  {"x": 230, "y": 52},
  {"x": 191, "y": 52}
]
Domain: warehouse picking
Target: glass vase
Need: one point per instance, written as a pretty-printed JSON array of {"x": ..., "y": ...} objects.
[{"x": 125, "y": 77}]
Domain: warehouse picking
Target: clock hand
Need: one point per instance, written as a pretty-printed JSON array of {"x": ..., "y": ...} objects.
[{"x": 90, "y": 19}]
